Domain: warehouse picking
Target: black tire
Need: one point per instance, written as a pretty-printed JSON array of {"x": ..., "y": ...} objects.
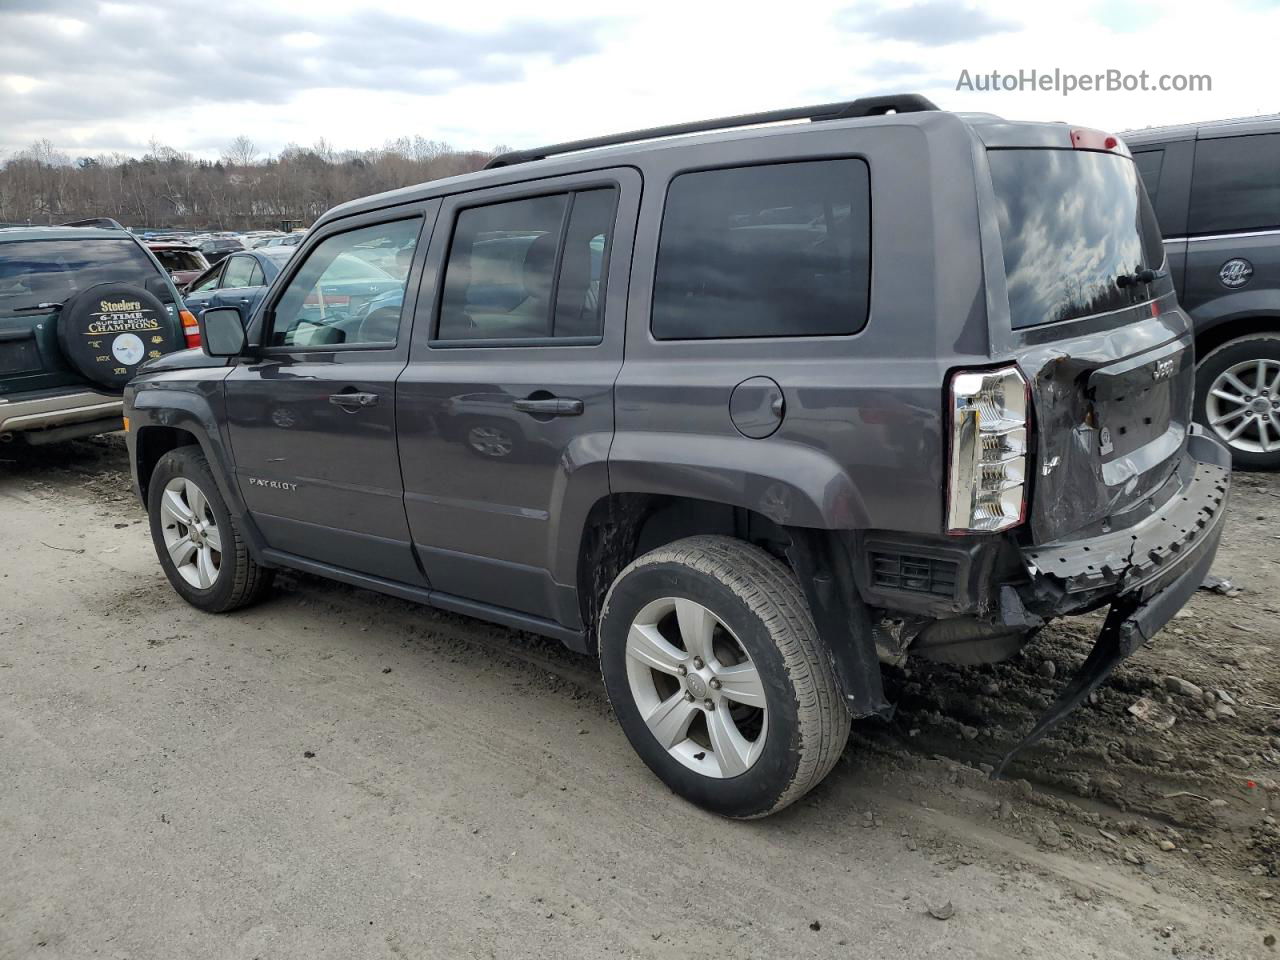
[
  {"x": 240, "y": 579},
  {"x": 760, "y": 601},
  {"x": 109, "y": 330},
  {"x": 1262, "y": 346}
]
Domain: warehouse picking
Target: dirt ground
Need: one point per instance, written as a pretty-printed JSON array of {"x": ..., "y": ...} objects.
[{"x": 338, "y": 774}]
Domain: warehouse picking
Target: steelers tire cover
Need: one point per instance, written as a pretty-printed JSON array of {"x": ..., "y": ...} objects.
[{"x": 110, "y": 329}]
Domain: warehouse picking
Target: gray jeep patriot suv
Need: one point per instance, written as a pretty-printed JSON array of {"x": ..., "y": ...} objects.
[
  {"x": 1216, "y": 191},
  {"x": 744, "y": 411}
]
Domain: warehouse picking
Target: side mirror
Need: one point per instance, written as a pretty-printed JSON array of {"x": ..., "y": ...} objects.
[{"x": 222, "y": 332}]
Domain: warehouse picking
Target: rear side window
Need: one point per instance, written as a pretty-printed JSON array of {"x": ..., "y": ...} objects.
[
  {"x": 1072, "y": 224},
  {"x": 529, "y": 269},
  {"x": 50, "y": 271},
  {"x": 778, "y": 250},
  {"x": 1149, "y": 164},
  {"x": 1235, "y": 184}
]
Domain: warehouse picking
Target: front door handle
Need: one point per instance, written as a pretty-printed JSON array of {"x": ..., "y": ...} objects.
[
  {"x": 550, "y": 406},
  {"x": 353, "y": 400}
]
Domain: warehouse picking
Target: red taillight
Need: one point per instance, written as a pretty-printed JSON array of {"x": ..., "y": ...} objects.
[
  {"x": 1083, "y": 138},
  {"x": 1155, "y": 308},
  {"x": 190, "y": 328}
]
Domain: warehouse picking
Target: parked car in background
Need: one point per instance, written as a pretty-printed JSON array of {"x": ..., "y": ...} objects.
[
  {"x": 647, "y": 395},
  {"x": 238, "y": 281},
  {"x": 216, "y": 248},
  {"x": 288, "y": 240},
  {"x": 81, "y": 309},
  {"x": 1216, "y": 192},
  {"x": 184, "y": 261},
  {"x": 256, "y": 238}
]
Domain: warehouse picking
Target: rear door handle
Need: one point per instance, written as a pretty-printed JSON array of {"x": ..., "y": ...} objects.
[
  {"x": 551, "y": 407},
  {"x": 353, "y": 401}
]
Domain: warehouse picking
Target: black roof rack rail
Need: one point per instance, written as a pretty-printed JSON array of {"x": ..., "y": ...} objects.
[
  {"x": 845, "y": 110},
  {"x": 106, "y": 223}
]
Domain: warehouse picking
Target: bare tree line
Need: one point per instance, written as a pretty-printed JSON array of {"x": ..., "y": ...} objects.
[{"x": 242, "y": 190}]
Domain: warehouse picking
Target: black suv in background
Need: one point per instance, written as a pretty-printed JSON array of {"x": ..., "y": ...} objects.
[
  {"x": 1216, "y": 192},
  {"x": 81, "y": 309},
  {"x": 743, "y": 412}
]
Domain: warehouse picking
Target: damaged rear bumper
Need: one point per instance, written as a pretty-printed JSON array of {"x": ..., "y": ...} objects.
[
  {"x": 1176, "y": 528},
  {"x": 1147, "y": 571}
]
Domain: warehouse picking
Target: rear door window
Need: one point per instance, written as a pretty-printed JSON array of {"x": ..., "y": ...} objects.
[
  {"x": 1235, "y": 184},
  {"x": 239, "y": 272},
  {"x": 530, "y": 269},
  {"x": 1073, "y": 223},
  {"x": 776, "y": 250}
]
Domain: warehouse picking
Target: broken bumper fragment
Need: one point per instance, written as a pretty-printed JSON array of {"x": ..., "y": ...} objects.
[{"x": 1146, "y": 570}]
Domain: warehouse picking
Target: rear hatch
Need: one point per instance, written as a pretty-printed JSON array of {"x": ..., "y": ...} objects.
[
  {"x": 1097, "y": 332},
  {"x": 37, "y": 274}
]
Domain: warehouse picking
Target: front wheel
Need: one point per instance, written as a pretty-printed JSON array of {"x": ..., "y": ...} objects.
[
  {"x": 714, "y": 669},
  {"x": 196, "y": 539},
  {"x": 1238, "y": 399}
]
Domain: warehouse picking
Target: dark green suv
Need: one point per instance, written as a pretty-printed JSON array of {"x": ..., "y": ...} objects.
[{"x": 80, "y": 310}]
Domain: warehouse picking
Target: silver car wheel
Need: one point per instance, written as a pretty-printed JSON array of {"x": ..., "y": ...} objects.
[
  {"x": 1243, "y": 406},
  {"x": 191, "y": 533},
  {"x": 696, "y": 688}
]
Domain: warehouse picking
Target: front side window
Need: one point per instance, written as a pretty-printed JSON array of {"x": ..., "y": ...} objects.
[
  {"x": 339, "y": 297},
  {"x": 239, "y": 272},
  {"x": 779, "y": 250},
  {"x": 50, "y": 271},
  {"x": 529, "y": 269},
  {"x": 1235, "y": 184}
]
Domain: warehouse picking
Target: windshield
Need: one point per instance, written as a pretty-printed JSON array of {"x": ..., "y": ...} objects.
[
  {"x": 1075, "y": 226},
  {"x": 50, "y": 271}
]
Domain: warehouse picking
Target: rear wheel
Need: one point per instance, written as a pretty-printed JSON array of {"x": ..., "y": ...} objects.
[
  {"x": 714, "y": 669},
  {"x": 1238, "y": 399},
  {"x": 196, "y": 539}
]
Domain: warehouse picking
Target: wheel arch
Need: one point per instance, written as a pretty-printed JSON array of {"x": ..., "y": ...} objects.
[
  {"x": 1209, "y": 337},
  {"x": 623, "y": 526},
  {"x": 181, "y": 418}
]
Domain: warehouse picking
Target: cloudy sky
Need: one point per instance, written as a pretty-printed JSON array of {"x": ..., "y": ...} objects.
[{"x": 94, "y": 76}]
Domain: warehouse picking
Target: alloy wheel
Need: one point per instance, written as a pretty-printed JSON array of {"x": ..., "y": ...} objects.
[
  {"x": 1243, "y": 406},
  {"x": 696, "y": 687},
  {"x": 191, "y": 533}
]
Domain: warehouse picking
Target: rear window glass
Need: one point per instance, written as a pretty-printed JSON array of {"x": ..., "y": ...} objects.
[
  {"x": 173, "y": 260},
  {"x": 1149, "y": 164},
  {"x": 779, "y": 250},
  {"x": 1235, "y": 184},
  {"x": 50, "y": 271},
  {"x": 1072, "y": 222}
]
